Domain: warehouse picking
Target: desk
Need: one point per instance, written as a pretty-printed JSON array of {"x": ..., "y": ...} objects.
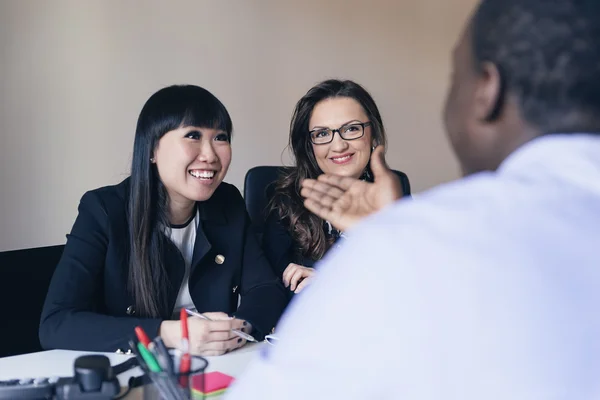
[{"x": 60, "y": 363}]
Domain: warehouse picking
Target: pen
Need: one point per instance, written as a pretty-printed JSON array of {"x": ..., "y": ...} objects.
[
  {"x": 134, "y": 350},
  {"x": 148, "y": 358},
  {"x": 162, "y": 386},
  {"x": 271, "y": 339},
  {"x": 185, "y": 364},
  {"x": 143, "y": 338},
  {"x": 236, "y": 332},
  {"x": 162, "y": 355},
  {"x": 145, "y": 346}
]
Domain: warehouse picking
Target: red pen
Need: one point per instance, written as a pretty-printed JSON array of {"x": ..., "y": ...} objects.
[
  {"x": 185, "y": 364},
  {"x": 142, "y": 337}
]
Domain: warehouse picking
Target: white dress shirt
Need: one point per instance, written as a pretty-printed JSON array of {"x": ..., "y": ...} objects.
[{"x": 484, "y": 288}]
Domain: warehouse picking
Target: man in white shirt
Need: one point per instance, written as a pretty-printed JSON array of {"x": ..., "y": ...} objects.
[{"x": 484, "y": 288}]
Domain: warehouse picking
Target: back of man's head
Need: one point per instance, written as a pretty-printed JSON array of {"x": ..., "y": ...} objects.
[{"x": 548, "y": 56}]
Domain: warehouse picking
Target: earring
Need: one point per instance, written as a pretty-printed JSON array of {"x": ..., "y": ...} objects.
[{"x": 152, "y": 160}]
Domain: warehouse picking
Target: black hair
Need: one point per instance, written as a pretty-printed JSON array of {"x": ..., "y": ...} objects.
[
  {"x": 548, "y": 55},
  {"x": 168, "y": 109}
]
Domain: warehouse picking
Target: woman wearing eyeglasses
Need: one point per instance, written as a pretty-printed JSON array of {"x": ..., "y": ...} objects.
[{"x": 334, "y": 129}]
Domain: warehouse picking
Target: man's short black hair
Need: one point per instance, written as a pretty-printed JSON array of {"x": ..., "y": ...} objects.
[{"x": 548, "y": 54}]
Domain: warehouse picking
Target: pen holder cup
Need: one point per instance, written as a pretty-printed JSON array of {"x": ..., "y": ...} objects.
[{"x": 178, "y": 386}]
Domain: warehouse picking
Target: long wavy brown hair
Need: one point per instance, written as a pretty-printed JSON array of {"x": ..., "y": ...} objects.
[{"x": 305, "y": 227}]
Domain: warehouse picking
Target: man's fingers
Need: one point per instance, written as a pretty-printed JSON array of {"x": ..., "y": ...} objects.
[
  {"x": 318, "y": 209},
  {"x": 384, "y": 175},
  {"x": 323, "y": 198},
  {"x": 378, "y": 164},
  {"x": 328, "y": 205},
  {"x": 309, "y": 193},
  {"x": 341, "y": 182},
  {"x": 322, "y": 179},
  {"x": 318, "y": 188}
]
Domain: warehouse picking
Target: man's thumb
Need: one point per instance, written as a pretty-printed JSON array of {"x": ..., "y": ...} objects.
[{"x": 378, "y": 164}]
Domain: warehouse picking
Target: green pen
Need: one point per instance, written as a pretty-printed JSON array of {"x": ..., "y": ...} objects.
[{"x": 148, "y": 358}]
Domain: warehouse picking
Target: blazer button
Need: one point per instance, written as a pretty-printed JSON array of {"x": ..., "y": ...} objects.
[
  {"x": 130, "y": 310},
  {"x": 220, "y": 259}
]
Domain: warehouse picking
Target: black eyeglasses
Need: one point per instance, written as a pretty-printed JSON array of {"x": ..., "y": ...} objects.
[{"x": 351, "y": 131}]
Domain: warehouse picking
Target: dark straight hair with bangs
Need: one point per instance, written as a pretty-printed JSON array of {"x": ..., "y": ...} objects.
[{"x": 168, "y": 109}]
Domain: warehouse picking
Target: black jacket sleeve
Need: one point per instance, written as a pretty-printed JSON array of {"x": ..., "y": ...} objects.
[
  {"x": 278, "y": 244},
  {"x": 263, "y": 297},
  {"x": 72, "y": 315}
]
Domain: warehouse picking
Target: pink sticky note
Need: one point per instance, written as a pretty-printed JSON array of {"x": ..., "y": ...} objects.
[{"x": 213, "y": 382}]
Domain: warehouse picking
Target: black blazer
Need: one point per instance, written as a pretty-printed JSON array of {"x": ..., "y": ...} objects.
[
  {"x": 279, "y": 246},
  {"x": 88, "y": 306},
  {"x": 277, "y": 242}
]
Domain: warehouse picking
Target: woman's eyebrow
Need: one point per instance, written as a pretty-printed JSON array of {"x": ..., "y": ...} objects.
[{"x": 344, "y": 124}]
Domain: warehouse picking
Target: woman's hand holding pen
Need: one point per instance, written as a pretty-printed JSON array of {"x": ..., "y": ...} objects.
[
  {"x": 206, "y": 338},
  {"x": 214, "y": 338}
]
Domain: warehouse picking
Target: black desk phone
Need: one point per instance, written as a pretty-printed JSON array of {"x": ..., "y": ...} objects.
[{"x": 93, "y": 379}]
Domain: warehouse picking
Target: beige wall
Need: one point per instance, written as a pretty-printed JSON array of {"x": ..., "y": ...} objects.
[{"x": 74, "y": 75}]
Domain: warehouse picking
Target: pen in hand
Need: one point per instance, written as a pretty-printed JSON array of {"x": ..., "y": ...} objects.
[{"x": 236, "y": 332}]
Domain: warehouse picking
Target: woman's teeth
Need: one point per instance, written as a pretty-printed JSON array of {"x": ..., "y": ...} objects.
[
  {"x": 202, "y": 174},
  {"x": 341, "y": 159}
]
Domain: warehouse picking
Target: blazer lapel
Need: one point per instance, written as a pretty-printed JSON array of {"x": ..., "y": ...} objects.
[
  {"x": 212, "y": 220},
  {"x": 212, "y": 216},
  {"x": 201, "y": 246}
]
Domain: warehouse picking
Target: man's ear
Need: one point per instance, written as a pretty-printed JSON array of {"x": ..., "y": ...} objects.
[{"x": 490, "y": 93}]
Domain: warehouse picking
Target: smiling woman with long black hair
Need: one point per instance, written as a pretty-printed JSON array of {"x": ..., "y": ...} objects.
[{"x": 170, "y": 236}]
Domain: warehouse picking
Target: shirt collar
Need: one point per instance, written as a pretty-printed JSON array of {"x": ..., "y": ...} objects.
[{"x": 556, "y": 151}]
